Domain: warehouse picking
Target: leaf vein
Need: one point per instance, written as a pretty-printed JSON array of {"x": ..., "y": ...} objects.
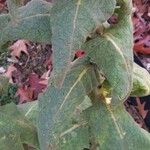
[
  {"x": 119, "y": 130},
  {"x": 71, "y": 89}
]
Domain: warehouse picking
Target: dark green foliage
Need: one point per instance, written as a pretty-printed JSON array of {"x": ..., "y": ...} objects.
[{"x": 7, "y": 92}]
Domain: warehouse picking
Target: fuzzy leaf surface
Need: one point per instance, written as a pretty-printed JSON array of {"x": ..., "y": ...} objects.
[
  {"x": 141, "y": 82},
  {"x": 15, "y": 128},
  {"x": 60, "y": 123},
  {"x": 112, "y": 52},
  {"x": 30, "y": 110},
  {"x": 115, "y": 129},
  {"x": 72, "y": 23},
  {"x": 13, "y": 5},
  {"x": 32, "y": 23}
]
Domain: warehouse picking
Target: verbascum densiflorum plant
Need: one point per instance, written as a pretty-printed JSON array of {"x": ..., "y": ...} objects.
[{"x": 82, "y": 108}]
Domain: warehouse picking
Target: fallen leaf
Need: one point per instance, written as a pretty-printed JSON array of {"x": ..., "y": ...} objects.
[
  {"x": 79, "y": 54},
  {"x": 18, "y": 47},
  {"x": 46, "y": 75},
  {"x": 140, "y": 107},
  {"x": 9, "y": 72},
  {"x": 25, "y": 94},
  {"x": 140, "y": 48},
  {"x": 1, "y": 7},
  {"x": 48, "y": 63},
  {"x": 37, "y": 84},
  {"x": 141, "y": 26}
]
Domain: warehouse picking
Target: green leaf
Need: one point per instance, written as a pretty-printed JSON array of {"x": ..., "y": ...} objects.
[
  {"x": 7, "y": 91},
  {"x": 4, "y": 84},
  {"x": 141, "y": 82},
  {"x": 14, "y": 127},
  {"x": 33, "y": 23},
  {"x": 72, "y": 22},
  {"x": 10, "y": 141},
  {"x": 60, "y": 123},
  {"x": 112, "y": 52},
  {"x": 114, "y": 129},
  {"x": 4, "y": 20},
  {"x": 30, "y": 111},
  {"x": 13, "y": 5}
]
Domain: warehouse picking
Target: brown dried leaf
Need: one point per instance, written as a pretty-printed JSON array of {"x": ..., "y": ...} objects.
[
  {"x": 18, "y": 47},
  {"x": 140, "y": 108}
]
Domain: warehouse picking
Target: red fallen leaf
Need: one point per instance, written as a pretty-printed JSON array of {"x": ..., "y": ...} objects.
[
  {"x": 113, "y": 19},
  {"x": 18, "y": 47},
  {"x": 9, "y": 72},
  {"x": 45, "y": 76},
  {"x": 44, "y": 82},
  {"x": 2, "y": 1},
  {"x": 140, "y": 48},
  {"x": 48, "y": 63},
  {"x": 140, "y": 108},
  {"x": 142, "y": 40},
  {"x": 147, "y": 40},
  {"x": 79, "y": 54},
  {"x": 37, "y": 84},
  {"x": 138, "y": 31},
  {"x": 2, "y": 4},
  {"x": 141, "y": 26},
  {"x": 25, "y": 94},
  {"x": 1, "y": 7}
]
